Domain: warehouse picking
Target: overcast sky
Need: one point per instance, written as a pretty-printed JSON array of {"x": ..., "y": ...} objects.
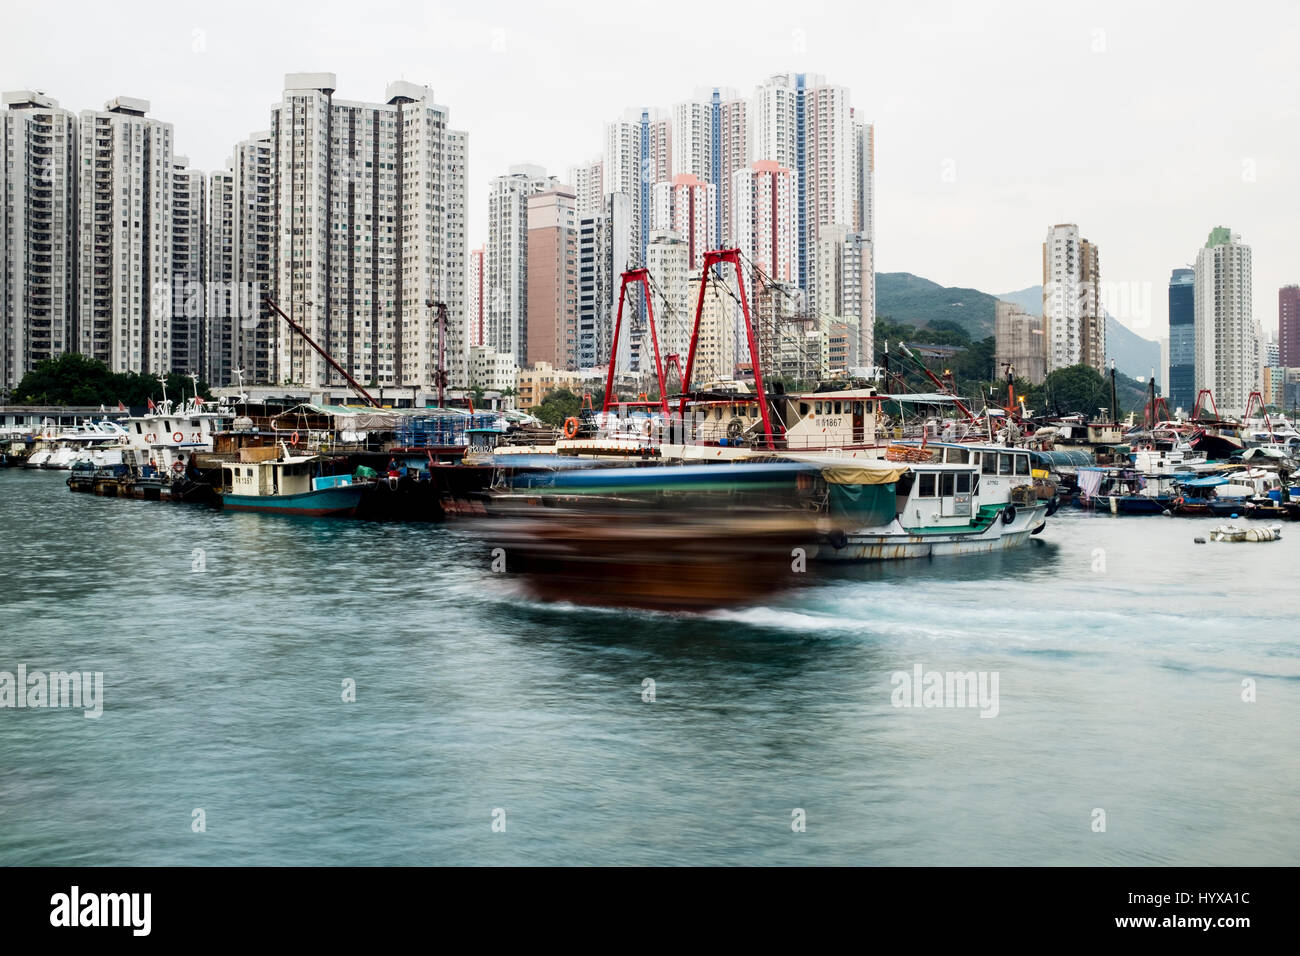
[{"x": 1147, "y": 124}]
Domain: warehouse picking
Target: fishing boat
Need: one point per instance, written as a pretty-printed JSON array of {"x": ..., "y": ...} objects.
[
  {"x": 289, "y": 484},
  {"x": 965, "y": 500},
  {"x": 662, "y": 536}
]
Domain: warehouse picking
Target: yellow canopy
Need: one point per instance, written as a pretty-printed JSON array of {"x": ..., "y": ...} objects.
[{"x": 862, "y": 475}]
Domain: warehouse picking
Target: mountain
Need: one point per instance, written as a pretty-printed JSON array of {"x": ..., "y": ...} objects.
[
  {"x": 1133, "y": 355},
  {"x": 904, "y": 297}
]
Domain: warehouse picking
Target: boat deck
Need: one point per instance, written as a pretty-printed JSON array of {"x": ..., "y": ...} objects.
[{"x": 986, "y": 515}]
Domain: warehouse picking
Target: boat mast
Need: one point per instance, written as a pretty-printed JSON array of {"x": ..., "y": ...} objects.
[{"x": 712, "y": 258}]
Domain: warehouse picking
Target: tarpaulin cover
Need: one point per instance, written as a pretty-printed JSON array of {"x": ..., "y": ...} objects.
[
  {"x": 864, "y": 506},
  {"x": 862, "y": 475}
]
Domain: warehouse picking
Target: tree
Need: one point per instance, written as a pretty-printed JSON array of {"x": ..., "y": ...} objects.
[
  {"x": 75, "y": 379},
  {"x": 557, "y": 405},
  {"x": 1077, "y": 388}
]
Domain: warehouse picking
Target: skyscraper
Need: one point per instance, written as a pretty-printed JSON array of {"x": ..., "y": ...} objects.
[
  {"x": 370, "y": 227},
  {"x": 806, "y": 125},
  {"x": 506, "y": 257},
  {"x": 1288, "y": 326},
  {"x": 1074, "y": 325},
  {"x": 474, "y": 297},
  {"x": 687, "y": 207},
  {"x": 604, "y": 248},
  {"x": 638, "y": 154},
  {"x": 189, "y": 249},
  {"x": 765, "y": 220},
  {"x": 586, "y": 180},
  {"x": 125, "y": 224},
  {"x": 1229, "y": 348},
  {"x": 553, "y": 278},
  {"x": 1182, "y": 339},
  {"x": 38, "y": 230}
]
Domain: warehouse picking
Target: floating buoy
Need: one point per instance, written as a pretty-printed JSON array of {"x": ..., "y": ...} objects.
[{"x": 1199, "y": 540}]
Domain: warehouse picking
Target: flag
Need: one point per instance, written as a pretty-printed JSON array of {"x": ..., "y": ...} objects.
[
  {"x": 120, "y": 406},
  {"x": 197, "y": 400},
  {"x": 151, "y": 404}
]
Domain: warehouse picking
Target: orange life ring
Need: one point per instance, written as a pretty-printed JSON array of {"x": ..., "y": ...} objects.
[
  {"x": 1180, "y": 500},
  {"x": 570, "y": 427},
  {"x": 178, "y": 437},
  {"x": 151, "y": 438},
  {"x": 294, "y": 439},
  {"x": 178, "y": 466}
]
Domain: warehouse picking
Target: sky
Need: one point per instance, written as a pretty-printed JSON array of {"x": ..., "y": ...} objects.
[{"x": 1147, "y": 124}]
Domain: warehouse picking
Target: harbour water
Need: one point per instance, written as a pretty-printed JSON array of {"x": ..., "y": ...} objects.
[{"x": 226, "y": 641}]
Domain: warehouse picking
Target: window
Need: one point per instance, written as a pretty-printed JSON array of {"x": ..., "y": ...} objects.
[
  {"x": 1004, "y": 464},
  {"x": 963, "y": 483},
  {"x": 957, "y": 456},
  {"x": 927, "y": 485},
  {"x": 946, "y": 485},
  {"x": 1022, "y": 464},
  {"x": 990, "y": 466}
]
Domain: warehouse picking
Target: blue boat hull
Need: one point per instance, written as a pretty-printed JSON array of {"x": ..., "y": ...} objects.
[{"x": 321, "y": 503}]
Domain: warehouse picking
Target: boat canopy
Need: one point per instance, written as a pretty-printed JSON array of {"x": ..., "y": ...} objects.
[
  {"x": 1068, "y": 458},
  {"x": 861, "y": 474},
  {"x": 921, "y": 398},
  {"x": 1213, "y": 481}
]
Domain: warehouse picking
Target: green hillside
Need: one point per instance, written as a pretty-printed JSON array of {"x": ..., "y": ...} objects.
[{"x": 912, "y": 300}]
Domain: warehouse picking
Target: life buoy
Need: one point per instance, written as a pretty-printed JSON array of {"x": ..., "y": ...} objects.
[
  {"x": 570, "y": 427},
  {"x": 178, "y": 437},
  {"x": 294, "y": 439},
  {"x": 150, "y": 438},
  {"x": 1180, "y": 500},
  {"x": 1008, "y": 514},
  {"x": 178, "y": 466}
]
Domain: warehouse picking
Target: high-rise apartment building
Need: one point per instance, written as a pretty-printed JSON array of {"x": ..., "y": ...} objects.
[
  {"x": 1019, "y": 343},
  {"x": 125, "y": 237},
  {"x": 687, "y": 207},
  {"x": 189, "y": 285},
  {"x": 1074, "y": 325},
  {"x": 668, "y": 257},
  {"x": 370, "y": 232},
  {"x": 604, "y": 250},
  {"x": 865, "y": 215},
  {"x": 586, "y": 180},
  {"x": 764, "y": 217},
  {"x": 241, "y": 329},
  {"x": 1182, "y": 339},
  {"x": 506, "y": 257},
  {"x": 552, "y": 289},
  {"x": 806, "y": 125},
  {"x": 475, "y": 310},
  {"x": 638, "y": 154},
  {"x": 1288, "y": 326},
  {"x": 1229, "y": 348},
  {"x": 38, "y": 232}
]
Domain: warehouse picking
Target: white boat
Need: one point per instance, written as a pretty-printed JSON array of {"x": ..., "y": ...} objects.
[
  {"x": 37, "y": 459},
  {"x": 965, "y": 500}
]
